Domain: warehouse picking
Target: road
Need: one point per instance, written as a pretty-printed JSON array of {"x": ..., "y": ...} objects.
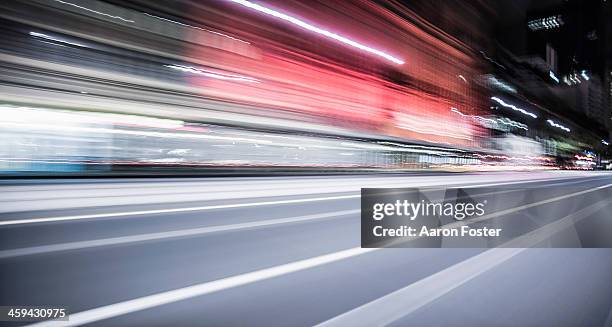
[{"x": 285, "y": 251}]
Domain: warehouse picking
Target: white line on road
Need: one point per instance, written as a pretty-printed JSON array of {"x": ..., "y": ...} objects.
[
  {"x": 158, "y": 299},
  {"x": 431, "y": 287},
  {"x": 224, "y": 206},
  {"x": 526, "y": 206},
  {"x": 407, "y": 300},
  {"x": 4, "y": 254},
  {"x": 168, "y": 235},
  {"x": 173, "y": 210}
]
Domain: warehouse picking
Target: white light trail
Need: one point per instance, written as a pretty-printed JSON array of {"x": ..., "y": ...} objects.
[
  {"x": 500, "y": 84},
  {"x": 95, "y": 11},
  {"x": 566, "y": 80},
  {"x": 513, "y": 107},
  {"x": 199, "y": 71},
  {"x": 51, "y": 38},
  {"x": 318, "y": 30},
  {"x": 584, "y": 75},
  {"x": 575, "y": 78},
  {"x": 604, "y": 142},
  {"x": 510, "y": 122},
  {"x": 196, "y": 27},
  {"x": 553, "y": 124},
  {"x": 553, "y": 76},
  {"x": 475, "y": 117}
]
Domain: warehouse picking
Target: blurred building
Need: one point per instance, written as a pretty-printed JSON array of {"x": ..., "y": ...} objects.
[
  {"x": 554, "y": 53},
  {"x": 573, "y": 36},
  {"x": 374, "y": 68},
  {"x": 223, "y": 83}
]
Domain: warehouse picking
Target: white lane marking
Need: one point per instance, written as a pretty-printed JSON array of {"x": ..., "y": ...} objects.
[
  {"x": 407, "y": 300},
  {"x": 188, "y": 292},
  {"x": 224, "y": 206},
  {"x": 4, "y": 254},
  {"x": 526, "y": 206},
  {"x": 274, "y": 182},
  {"x": 573, "y": 181},
  {"x": 173, "y": 210},
  {"x": 439, "y": 283},
  {"x": 20, "y": 192},
  {"x": 495, "y": 214},
  {"x": 13, "y": 202},
  {"x": 168, "y": 235}
]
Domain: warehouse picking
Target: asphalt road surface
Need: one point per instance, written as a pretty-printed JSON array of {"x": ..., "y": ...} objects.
[{"x": 286, "y": 252}]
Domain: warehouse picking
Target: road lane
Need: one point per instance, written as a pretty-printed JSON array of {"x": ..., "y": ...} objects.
[
  {"x": 90, "y": 277},
  {"x": 124, "y": 225},
  {"x": 28, "y": 197}
]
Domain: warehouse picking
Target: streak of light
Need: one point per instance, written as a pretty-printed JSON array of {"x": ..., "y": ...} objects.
[
  {"x": 503, "y": 157},
  {"x": 318, "y": 30},
  {"x": 513, "y": 107},
  {"x": 419, "y": 146},
  {"x": 484, "y": 55},
  {"x": 553, "y": 124},
  {"x": 500, "y": 84},
  {"x": 47, "y": 37},
  {"x": 553, "y": 76},
  {"x": 211, "y": 74},
  {"x": 22, "y": 117},
  {"x": 584, "y": 75},
  {"x": 29, "y": 114},
  {"x": 585, "y": 163},
  {"x": 480, "y": 118},
  {"x": 197, "y": 27},
  {"x": 94, "y": 11},
  {"x": 374, "y": 147},
  {"x": 510, "y": 122}
]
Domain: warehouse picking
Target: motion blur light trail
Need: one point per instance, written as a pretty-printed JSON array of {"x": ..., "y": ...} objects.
[
  {"x": 266, "y": 85},
  {"x": 95, "y": 142},
  {"x": 289, "y": 82},
  {"x": 552, "y": 123},
  {"x": 44, "y": 36},
  {"x": 212, "y": 74},
  {"x": 94, "y": 11},
  {"x": 513, "y": 107},
  {"x": 318, "y": 30}
]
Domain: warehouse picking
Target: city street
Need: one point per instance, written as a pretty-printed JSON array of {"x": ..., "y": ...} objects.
[
  {"x": 290, "y": 163},
  {"x": 285, "y": 251}
]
